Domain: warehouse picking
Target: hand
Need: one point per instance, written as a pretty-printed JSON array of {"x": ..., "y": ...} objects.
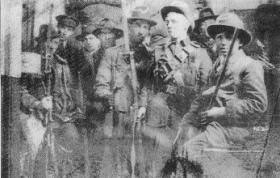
[
  {"x": 141, "y": 113},
  {"x": 209, "y": 91},
  {"x": 110, "y": 99},
  {"x": 46, "y": 103},
  {"x": 178, "y": 77},
  {"x": 214, "y": 112}
]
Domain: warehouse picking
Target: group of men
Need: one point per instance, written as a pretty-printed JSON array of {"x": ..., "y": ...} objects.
[{"x": 176, "y": 78}]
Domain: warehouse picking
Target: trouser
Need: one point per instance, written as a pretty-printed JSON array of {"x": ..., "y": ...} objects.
[{"x": 199, "y": 143}]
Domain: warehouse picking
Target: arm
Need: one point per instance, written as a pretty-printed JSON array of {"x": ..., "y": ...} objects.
[
  {"x": 204, "y": 69},
  {"x": 253, "y": 99}
]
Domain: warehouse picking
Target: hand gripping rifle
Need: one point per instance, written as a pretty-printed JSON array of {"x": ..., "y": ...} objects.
[
  {"x": 48, "y": 57},
  {"x": 134, "y": 87}
]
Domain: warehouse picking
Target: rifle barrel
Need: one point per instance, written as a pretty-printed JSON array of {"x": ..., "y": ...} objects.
[{"x": 221, "y": 77}]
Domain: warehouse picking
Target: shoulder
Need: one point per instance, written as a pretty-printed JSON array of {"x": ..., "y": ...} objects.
[
  {"x": 114, "y": 50},
  {"x": 74, "y": 44},
  {"x": 250, "y": 63},
  {"x": 195, "y": 44}
]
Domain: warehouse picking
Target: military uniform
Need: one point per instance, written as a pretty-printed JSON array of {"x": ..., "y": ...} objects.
[
  {"x": 189, "y": 69},
  {"x": 123, "y": 96}
]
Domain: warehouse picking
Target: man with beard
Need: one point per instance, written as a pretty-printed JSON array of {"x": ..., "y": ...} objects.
[
  {"x": 240, "y": 102},
  {"x": 139, "y": 27},
  {"x": 108, "y": 32},
  {"x": 115, "y": 67},
  {"x": 206, "y": 18}
]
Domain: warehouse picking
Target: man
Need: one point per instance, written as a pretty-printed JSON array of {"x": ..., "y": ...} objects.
[
  {"x": 181, "y": 66},
  {"x": 206, "y": 18},
  {"x": 69, "y": 48},
  {"x": 115, "y": 68},
  {"x": 92, "y": 53},
  {"x": 58, "y": 85},
  {"x": 240, "y": 101},
  {"x": 139, "y": 26},
  {"x": 108, "y": 32},
  {"x": 181, "y": 70}
]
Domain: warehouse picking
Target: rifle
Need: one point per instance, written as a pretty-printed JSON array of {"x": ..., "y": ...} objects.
[
  {"x": 134, "y": 87},
  {"x": 50, "y": 151},
  {"x": 213, "y": 97},
  {"x": 109, "y": 117},
  {"x": 221, "y": 77}
]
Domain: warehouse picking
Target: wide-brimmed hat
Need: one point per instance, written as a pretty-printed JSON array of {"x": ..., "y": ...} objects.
[
  {"x": 204, "y": 14},
  {"x": 178, "y": 7},
  {"x": 86, "y": 30},
  {"x": 68, "y": 21},
  {"x": 228, "y": 22},
  {"x": 105, "y": 23},
  {"x": 142, "y": 13}
]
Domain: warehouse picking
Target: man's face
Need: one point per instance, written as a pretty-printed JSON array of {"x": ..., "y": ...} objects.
[
  {"x": 203, "y": 26},
  {"x": 91, "y": 42},
  {"x": 107, "y": 38},
  {"x": 53, "y": 45},
  {"x": 223, "y": 42},
  {"x": 177, "y": 24},
  {"x": 65, "y": 32},
  {"x": 138, "y": 31}
]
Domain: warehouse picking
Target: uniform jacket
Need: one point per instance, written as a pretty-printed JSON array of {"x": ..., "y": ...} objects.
[
  {"x": 62, "y": 90},
  {"x": 193, "y": 65},
  {"x": 242, "y": 92},
  {"x": 123, "y": 93},
  {"x": 207, "y": 43}
]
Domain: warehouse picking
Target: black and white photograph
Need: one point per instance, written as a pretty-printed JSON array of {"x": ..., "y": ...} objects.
[{"x": 140, "y": 88}]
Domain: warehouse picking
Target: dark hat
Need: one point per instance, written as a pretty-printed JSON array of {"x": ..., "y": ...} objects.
[
  {"x": 66, "y": 20},
  {"x": 43, "y": 33},
  {"x": 204, "y": 14},
  {"x": 105, "y": 23},
  {"x": 87, "y": 29},
  {"x": 142, "y": 13},
  {"x": 228, "y": 22},
  {"x": 178, "y": 7}
]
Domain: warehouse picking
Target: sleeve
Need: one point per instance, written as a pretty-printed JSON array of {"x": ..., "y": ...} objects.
[
  {"x": 27, "y": 100},
  {"x": 252, "y": 101},
  {"x": 204, "y": 69},
  {"x": 103, "y": 77}
]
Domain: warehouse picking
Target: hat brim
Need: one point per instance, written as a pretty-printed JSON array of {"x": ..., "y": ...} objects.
[
  {"x": 151, "y": 22},
  {"x": 118, "y": 32},
  {"x": 165, "y": 10},
  {"x": 81, "y": 37},
  {"x": 198, "y": 21},
  {"x": 244, "y": 36}
]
